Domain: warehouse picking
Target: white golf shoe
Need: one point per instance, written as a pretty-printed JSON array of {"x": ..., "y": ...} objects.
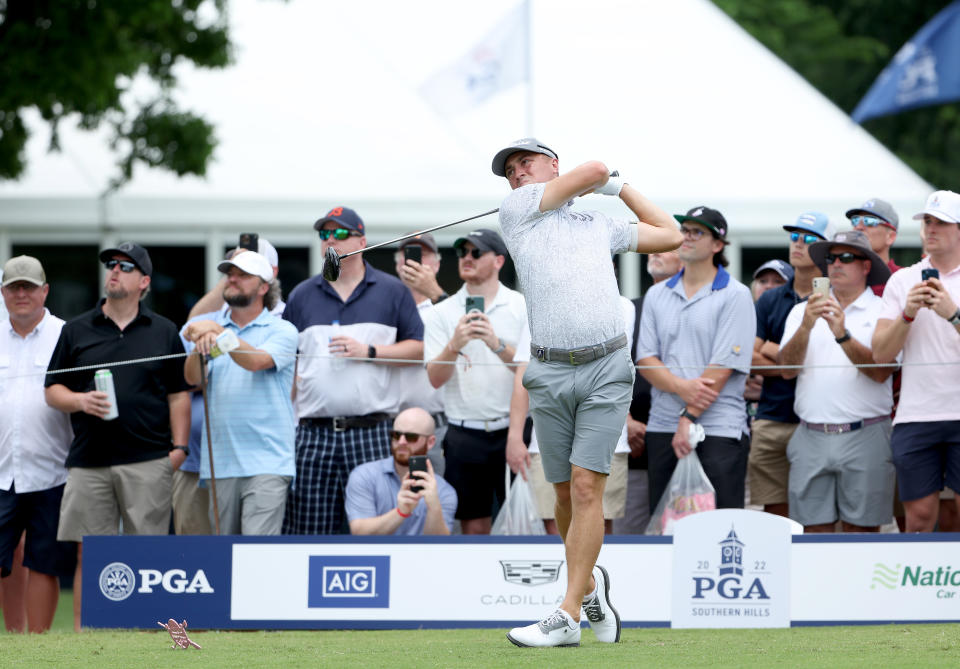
[
  {"x": 557, "y": 629},
  {"x": 601, "y": 615}
]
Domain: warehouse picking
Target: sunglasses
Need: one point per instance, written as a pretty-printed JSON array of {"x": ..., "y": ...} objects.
[
  {"x": 846, "y": 257},
  {"x": 338, "y": 233},
  {"x": 409, "y": 436},
  {"x": 807, "y": 239},
  {"x": 869, "y": 221},
  {"x": 474, "y": 253},
  {"x": 125, "y": 265}
]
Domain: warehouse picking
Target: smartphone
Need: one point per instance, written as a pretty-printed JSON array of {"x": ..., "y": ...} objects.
[
  {"x": 929, "y": 273},
  {"x": 821, "y": 285},
  {"x": 249, "y": 241},
  {"x": 413, "y": 252},
  {"x": 474, "y": 303},
  {"x": 418, "y": 463}
]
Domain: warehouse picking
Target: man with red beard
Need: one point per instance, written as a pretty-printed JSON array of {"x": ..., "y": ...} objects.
[{"x": 380, "y": 498}]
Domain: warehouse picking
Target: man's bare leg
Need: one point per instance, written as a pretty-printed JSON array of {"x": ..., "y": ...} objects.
[
  {"x": 14, "y": 593},
  {"x": 583, "y": 537},
  {"x": 77, "y": 582},
  {"x": 43, "y": 591},
  {"x": 476, "y": 525},
  {"x": 922, "y": 513}
]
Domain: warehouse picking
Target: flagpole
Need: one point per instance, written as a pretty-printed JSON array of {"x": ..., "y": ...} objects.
[{"x": 529, "y": 36}]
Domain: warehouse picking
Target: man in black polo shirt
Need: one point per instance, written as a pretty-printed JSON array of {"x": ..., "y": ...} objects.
[
  {"x": 775, "y": 421},
  {"x": 120, "y": 468}
]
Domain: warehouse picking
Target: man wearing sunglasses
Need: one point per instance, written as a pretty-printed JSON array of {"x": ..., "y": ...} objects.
[
  {"x": 120, "y": 468},
  {"x": 580, "y": 376},
  {"x": 878, "y": 220},
  {"x": 920, "y": 318},
  {"x": 840, "y": 459},
  {"x": 386, "y": 497},
  {"x": 467, "y": 352},
  {"x": 768, "y": 467},
  {"x": 345, "y": 396}
]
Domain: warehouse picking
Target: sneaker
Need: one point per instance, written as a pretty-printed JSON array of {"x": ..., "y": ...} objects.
[
  {"x": 603, "y": 618},
  {"x": 557, "y": 629}
]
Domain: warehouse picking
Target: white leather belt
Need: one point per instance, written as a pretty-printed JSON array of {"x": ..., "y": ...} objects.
[{"x": 485, "y": 425}]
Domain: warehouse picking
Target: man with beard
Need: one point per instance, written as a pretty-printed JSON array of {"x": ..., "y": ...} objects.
[
  {"x": 249, "y": 390},
  {"x": 120, "y": 468},
  {"x": 380, "y": 496}
]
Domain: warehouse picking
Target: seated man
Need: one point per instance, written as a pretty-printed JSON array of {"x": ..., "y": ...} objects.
[{"x": 379, "y": 498}]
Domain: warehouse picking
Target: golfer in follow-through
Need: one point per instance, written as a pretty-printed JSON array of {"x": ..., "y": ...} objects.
[{"x": 580, "y": 376}]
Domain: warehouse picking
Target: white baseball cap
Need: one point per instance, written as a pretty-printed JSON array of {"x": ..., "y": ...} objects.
[
  {"x": 251, "y": 263},
  {"x": 943, "y": 204}
]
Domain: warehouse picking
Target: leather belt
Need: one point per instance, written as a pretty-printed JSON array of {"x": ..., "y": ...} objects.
[
  {"x": 840, "y": 428},
  {"x": 578, "y": 356},
  {"x": 483, "y": 425},
  {"x": 343, "y": 423}
]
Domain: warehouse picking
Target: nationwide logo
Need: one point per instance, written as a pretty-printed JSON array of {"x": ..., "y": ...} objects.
[
  {"x": 117, "y": 581},
  {"x": 729, "y": 583},
  {"x": 531, "y": 572},
  {"x": 917, "y": 576},
  {"x": 349, "y": 581}
]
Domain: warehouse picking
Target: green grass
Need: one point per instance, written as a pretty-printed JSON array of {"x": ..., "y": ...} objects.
[{"x": 875, "y": 646}]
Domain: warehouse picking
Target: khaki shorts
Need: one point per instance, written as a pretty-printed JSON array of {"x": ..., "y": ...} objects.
[
  {"x": 191, "y": 504},
  {"x": 768, "y": 468},
  {"x": 96, "y": 498},
  {"x": 614, "y": 492}
]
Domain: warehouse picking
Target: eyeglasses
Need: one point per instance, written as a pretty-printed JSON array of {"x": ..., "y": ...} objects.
[
  {"x": 474, "y": 253},
  {"x": 409, "y": 436},
  {"x": 869, "y": 221},
  {"x": 338, "y": 233},
  {"x": 692, "y": 233},
  {"x": 125, "y": 265},
  {"x": 807, "y": 239},
  {"x": 846, "y": 257}
]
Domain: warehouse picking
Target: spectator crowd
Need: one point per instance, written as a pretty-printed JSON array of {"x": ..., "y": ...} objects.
[{"x": 379, "y": 404}]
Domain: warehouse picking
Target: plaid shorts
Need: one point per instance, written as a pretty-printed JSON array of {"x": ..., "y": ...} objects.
[{"x": 325, "y": 459}]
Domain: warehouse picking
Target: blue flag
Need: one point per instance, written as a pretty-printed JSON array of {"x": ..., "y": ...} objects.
[{"x": 926, "y": 70}]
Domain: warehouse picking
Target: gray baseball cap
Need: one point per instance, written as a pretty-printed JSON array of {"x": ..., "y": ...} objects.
[
  {"x": 779, "y": 266},
  {"x": 525, "y": 144},
  {"x": 484, "y": 239},
  {"x": 23, "y": 268},
  {"x": 879, "y": 208}
]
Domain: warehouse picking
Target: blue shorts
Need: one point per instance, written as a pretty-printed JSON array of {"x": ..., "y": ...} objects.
[
  {"x": 927, "y": 457},
  {"x": 37, "y": 514}
]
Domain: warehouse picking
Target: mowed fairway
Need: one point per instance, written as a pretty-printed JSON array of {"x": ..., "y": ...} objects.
[{"x": 876, "y": 646}]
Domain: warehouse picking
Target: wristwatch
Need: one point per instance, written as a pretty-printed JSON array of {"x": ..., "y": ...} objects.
[
  {"x": 955, "y": 319},
  {"x": 689, "y": 416},
  {"x": 185, "y": 449},
  {"x": 502, "y": 346},
  {"x": 846, "y": 337},
  {"x": 371, "y": 351}
]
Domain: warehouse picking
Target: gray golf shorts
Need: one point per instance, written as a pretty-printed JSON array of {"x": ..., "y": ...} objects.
[{"x": 579, "y": 411}]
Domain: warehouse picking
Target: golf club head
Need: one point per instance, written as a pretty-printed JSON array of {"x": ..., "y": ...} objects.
[{"x": 331, "y": 265}]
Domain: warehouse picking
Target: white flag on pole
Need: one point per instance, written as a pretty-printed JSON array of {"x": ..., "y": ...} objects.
[{"x": 494, "y": 64}]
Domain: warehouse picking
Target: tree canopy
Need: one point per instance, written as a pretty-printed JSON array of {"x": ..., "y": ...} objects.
[
  {"x": 840, "y": 46},
  {"x": 81, "y": 57}
]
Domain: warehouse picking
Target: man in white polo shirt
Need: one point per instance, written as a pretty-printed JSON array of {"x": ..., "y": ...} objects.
[
  {"x": 920, "y": 318},
  {"x": 840, "y": 461},
  {"x": 467, "y": 352},
  {"x": 34, "y": 440}
]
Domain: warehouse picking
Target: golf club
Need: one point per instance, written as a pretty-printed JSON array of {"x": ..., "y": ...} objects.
[{"x": 331, "y": 259}]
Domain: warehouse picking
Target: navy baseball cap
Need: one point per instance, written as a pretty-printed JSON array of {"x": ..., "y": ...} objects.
[
  {"x": 779, "y": 266},
  {"x": 344, "y": 216},
  {"x": 526, "y": 144},
  {"x": 711, "y": 218},
  {"x": 484, "y": 239},
  {"x": 815, "y": 222},
  {"x": 132, "y": 250}
]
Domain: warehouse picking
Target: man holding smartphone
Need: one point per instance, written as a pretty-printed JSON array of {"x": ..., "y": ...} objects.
[
  {"x": 469, "y": 341},
  {"x": 580, "y": 376},
  {"x": 401, "y": 494},
  {"x": 920, "y": 318}
]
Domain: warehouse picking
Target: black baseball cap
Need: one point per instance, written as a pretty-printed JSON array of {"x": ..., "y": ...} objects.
[
  {"x": 526, "y": 144},
  {"x": 135, "y": 252},
  {"x": 344, "y": 216},
  {"x": 711, "y": 218},
  {"x": 484, "y": 239}
]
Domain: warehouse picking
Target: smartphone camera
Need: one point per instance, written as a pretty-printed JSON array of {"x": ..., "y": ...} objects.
[
  {"x": 413, "y": 252},
  {"x": 418, "y": 463},
  {"x": 929, "y": 273},
  {"x": 249, "y": 241}
]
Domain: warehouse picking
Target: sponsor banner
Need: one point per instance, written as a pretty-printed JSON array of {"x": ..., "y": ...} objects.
[
  {"x": 731, "y": 568},
  {"x": 872, "y": 578}
]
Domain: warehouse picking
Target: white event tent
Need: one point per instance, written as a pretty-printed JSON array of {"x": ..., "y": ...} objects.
[{"x": 321, "y": 108}]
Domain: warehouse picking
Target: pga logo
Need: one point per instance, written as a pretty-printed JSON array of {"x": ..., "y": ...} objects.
[{"x": 117, "y": 581}]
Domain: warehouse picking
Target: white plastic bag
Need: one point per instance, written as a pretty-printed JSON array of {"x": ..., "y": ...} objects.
[
  {"x": 518, "y": 515},
  {"x": 688, "y": 492}
]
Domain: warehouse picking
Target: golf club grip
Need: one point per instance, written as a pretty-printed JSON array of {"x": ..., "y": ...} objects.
[{"x": 422, "y": 232}]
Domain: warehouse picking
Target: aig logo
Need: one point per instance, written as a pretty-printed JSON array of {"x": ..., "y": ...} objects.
[{"x": 349, "y": 581}]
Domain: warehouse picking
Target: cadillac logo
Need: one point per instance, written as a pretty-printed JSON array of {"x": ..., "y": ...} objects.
[{"x": 531, "y": 572}]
